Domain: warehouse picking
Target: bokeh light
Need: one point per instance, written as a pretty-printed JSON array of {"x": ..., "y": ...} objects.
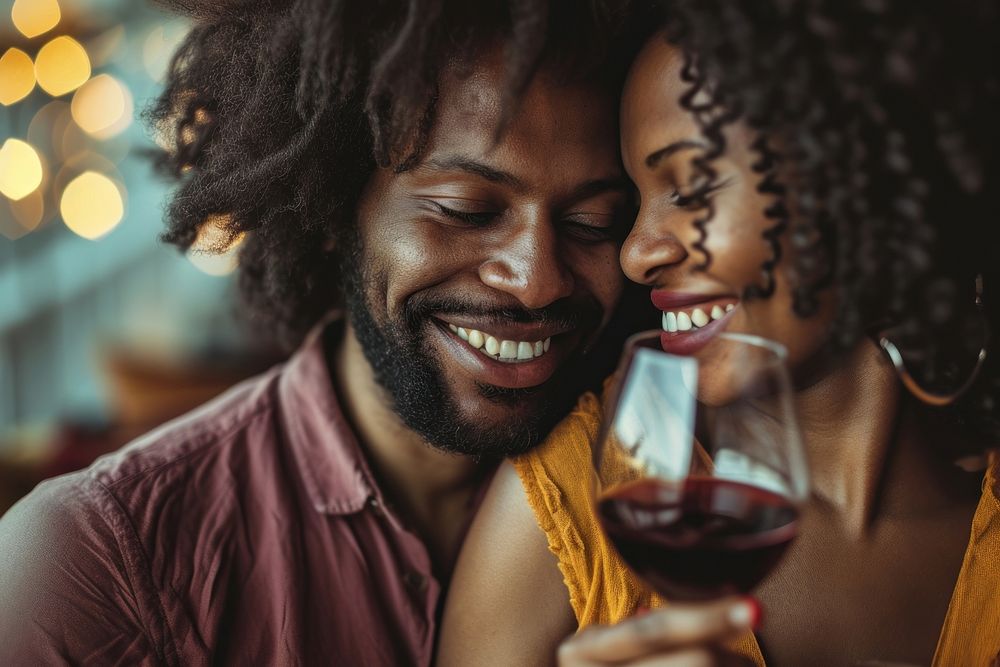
[
  {"x": 35, "y": 17},
  {"x": 28, "y": 212},
  {"x": 92, "y": 205},
  {"x": 73, "y": 141},
  {"x": 106, "y": 47},
  {"x": 87, "y": 161},
  {"x": 42, "y": 127},
  {"x": 62, "y": 66},
  {"x": 20, "y": 169},
  {"x": 102, "y": 107},
  {"x": 19, "y": 218},
  {"x": 216, "y": 251},
  {"x": 17, "y": 76}
]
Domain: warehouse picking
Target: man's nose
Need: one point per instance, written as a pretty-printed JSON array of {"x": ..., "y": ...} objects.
[
  {"x": 525, "y": 263},
  {"x": 651, "y": 248}
]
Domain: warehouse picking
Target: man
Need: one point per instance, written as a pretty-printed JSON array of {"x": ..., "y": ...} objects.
[{"x": 373, "y": 158}]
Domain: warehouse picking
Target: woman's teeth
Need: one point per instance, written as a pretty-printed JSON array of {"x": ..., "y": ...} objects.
[
  {"x": 697, "y": 318},
  {"x": 510, "y": 351}
]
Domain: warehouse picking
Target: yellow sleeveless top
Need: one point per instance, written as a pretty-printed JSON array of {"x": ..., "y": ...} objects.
[{"x": 559, "y": 478}]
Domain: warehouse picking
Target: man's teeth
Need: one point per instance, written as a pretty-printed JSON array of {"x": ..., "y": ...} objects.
[
  {"x": 697, "y": 318},
  {"x": 503, "y": 350},
  {"x": 508, "y": 349},
  {"x": 492, "y": 346}
]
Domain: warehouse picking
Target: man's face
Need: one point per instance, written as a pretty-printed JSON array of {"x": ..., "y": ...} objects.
[{"x": 481, "y": 275}]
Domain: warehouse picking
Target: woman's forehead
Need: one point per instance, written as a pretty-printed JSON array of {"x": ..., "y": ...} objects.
[{"x": 651, "y": 114}]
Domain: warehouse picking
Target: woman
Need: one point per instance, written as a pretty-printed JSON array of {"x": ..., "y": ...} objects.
[{"x": 830, "y": 169}]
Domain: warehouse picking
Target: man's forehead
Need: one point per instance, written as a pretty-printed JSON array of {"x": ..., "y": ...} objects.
[
  {"x": 471, "y": 95},
  {"x": 552, "y": 120}
]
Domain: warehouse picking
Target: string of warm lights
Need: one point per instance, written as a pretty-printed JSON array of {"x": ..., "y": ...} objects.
[
  {"x": 90, "y": 201},
  {"x": 65, "y": 164}
]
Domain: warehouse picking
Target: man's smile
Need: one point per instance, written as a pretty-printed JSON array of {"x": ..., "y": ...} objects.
[
  {"x": 506, "y": 341},
  {"x": 513, "y": 355},
  {"x": 509, "y": 351}
]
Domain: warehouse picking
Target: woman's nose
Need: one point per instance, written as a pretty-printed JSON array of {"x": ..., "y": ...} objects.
[{"x": 650, "y": 249}]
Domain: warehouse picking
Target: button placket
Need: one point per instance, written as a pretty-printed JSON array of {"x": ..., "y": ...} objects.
[{"x": 375, "y": 507}]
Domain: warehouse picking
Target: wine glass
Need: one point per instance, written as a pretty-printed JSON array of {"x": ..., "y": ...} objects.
[{"x": 700, "y": 465}]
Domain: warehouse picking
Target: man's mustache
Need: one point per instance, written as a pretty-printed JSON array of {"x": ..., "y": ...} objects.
[{"x": 569, "y": 313}]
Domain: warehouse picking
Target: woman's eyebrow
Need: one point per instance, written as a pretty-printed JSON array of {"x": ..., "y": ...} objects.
[{"x": 656, "y": 157}]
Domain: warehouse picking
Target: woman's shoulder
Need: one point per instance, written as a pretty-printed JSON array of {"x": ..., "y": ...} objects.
[{"x": 557, "y": 476}]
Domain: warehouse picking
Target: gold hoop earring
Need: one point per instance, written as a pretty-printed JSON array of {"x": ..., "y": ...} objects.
[{"x": 929, "y": 397}]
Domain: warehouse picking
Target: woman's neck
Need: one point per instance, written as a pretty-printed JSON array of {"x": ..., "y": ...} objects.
[
  {"x": 872, "y": 452},
  {"x": 849, "y": 422}
]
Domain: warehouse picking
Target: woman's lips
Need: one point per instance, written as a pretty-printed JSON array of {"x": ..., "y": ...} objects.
[
  {"x": 667, "y": 300},
  {"x": 688, "y": 330}
]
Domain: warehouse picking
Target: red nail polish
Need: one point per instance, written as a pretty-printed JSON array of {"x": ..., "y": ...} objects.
[{"x": 757, "y": 612}]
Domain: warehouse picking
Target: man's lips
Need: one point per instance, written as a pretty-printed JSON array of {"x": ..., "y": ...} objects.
[
  {"x": 513, "y": 373},
  {"x": 521, "y": 343},
  {"x": 506, "y": 329}
]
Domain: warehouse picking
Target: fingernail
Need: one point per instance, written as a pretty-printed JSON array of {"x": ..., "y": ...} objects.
[{"x": 746, "y": 614}]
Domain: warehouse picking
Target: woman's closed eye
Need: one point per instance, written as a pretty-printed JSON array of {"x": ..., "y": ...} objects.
[{"x": 695, "y": 198}]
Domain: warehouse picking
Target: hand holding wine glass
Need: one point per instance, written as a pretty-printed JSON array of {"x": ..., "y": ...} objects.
[{"x": 678, "y": 635}]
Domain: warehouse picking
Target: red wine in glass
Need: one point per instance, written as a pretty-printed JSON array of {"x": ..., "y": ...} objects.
[{"x": 698, "y": 538}]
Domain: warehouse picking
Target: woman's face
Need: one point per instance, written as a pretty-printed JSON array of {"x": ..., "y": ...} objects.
[{"x": 659, "y": 139}]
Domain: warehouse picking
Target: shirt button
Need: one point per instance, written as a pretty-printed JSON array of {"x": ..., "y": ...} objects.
[
  {"x": 415, "y": 581},
  {"x": 375, "y": 506}
]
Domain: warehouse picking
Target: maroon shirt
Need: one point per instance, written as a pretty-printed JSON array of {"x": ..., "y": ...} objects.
[{"x": 250, "y": 532}]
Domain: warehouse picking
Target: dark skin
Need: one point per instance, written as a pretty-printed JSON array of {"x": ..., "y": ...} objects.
[
  {"x": 494, "y": 225},
  {"x": 880, "y": 549},
  {"x": 885, "y": 530}
]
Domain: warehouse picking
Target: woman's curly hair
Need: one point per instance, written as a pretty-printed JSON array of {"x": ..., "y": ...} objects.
[
  {"x": 276, "y": 113},
  {"x": 878, "y": 136}
]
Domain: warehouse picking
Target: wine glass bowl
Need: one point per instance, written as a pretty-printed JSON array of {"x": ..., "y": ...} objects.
[{"x": 699, "y": 482}]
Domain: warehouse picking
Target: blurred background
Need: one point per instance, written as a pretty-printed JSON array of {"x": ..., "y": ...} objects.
[{"x": 104, "y": 332}]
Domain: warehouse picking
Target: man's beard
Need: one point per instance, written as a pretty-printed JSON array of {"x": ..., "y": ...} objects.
[{"x": 414, "y": 380}]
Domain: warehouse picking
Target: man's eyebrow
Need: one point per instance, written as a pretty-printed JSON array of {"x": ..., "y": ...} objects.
[
  {"x": 657, "y": 156},
  {"x": 459, "y": 163}
]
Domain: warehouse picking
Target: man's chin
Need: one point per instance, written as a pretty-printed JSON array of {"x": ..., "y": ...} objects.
[
  {"x": 502, "y": 422},
  {"x": 487, "y": 440},
  {"x": 494, "y": 406}
]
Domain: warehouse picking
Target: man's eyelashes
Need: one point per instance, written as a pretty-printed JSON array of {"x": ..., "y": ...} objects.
[{"x": 468, "y": 217}]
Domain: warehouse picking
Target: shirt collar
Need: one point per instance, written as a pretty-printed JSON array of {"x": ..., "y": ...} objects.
[{"x": 330, "y": 459}]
